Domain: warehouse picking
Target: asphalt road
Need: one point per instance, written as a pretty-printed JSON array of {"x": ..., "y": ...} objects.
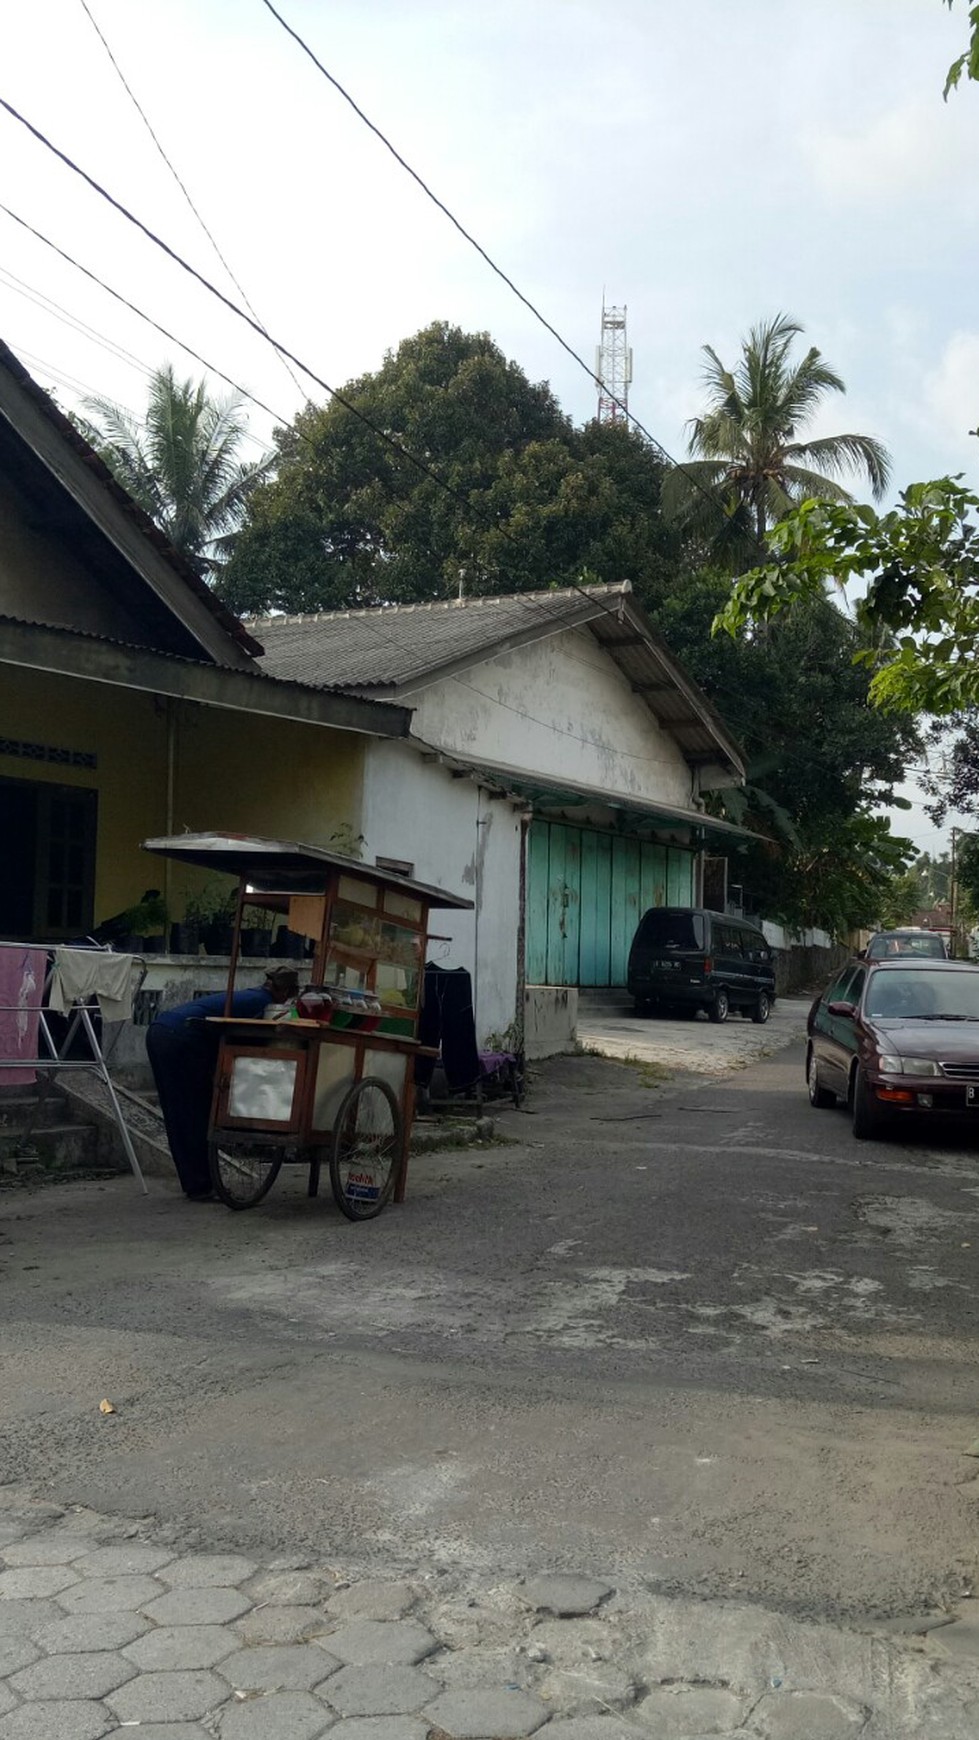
[{"x": 697, "y": 1335}]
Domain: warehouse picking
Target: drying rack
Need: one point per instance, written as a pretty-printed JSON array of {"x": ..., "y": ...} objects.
[{"x": 79, "y": 1018}]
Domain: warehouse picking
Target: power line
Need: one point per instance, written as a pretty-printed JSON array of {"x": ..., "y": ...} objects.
[
  {"x": 171, "y": 253},
  {"x": 139, "y": 312},
  {"x": 141, "y": 112}
]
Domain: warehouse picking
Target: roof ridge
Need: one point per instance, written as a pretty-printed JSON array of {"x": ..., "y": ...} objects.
[{"x": 617, "y": 588}]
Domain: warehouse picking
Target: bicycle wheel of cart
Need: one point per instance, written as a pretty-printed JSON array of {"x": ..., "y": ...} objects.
[
  {"x": 243, "y": 1172},
  {"x": 366, "y": 1149}
]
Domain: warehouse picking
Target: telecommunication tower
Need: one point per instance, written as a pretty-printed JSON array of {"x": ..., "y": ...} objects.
[{"x": 613, "y": 366}]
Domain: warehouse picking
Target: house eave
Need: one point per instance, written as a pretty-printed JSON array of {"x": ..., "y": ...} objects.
[{"x": 64, "y": 653}]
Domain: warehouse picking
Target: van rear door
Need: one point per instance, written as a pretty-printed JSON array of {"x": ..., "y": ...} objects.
[{"x": 668, "y": 945}]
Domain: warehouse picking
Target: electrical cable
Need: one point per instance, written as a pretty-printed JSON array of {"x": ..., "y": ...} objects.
[
  {"x": 177, "y": 178},
  {"x": 656, "y": 445},
  {"x": 171, "y": 253}
]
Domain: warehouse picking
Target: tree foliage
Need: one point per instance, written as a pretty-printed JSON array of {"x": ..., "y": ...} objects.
[
  {"x": 752, "y": 460},
  {"x": 521, "y": 499},
  {"x": 180, "y": 461},
  {"x": 922, "y": 601},
  {"x": 968, "y": 62}
]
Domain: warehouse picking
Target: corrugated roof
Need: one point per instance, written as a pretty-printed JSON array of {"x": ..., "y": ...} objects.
[
  {"x": 400, "y": 648},
  {"x": 97, "y": 468},
  {"x": 391, "y": 646}
]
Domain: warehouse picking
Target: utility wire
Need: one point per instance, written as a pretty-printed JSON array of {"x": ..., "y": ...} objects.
[
  {"x": 388, "y": 440},
  {"x": 176, "y": 176},
  {"x": 133, "y": 309},
  {"x": 656, "y": 445}
]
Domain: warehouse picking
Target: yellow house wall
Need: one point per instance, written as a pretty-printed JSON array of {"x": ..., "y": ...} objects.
[{"x": 235, "y": 771}]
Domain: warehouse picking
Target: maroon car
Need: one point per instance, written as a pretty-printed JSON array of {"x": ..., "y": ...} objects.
[{"x": 896, "y": 1036}]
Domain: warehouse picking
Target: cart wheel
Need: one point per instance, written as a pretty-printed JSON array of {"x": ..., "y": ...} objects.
[
  {"x": 366, "y": 1149},
  {"x": 242, "y": 1172}
]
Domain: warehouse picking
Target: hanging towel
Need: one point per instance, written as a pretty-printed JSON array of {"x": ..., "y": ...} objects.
[
  {"x": 83, "y": 973},
  {"x": 22, "y": 973}
]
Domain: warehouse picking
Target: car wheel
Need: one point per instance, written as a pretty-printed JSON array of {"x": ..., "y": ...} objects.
[
  {"x": 762, "y": 1009},
  {"x": 720, "y": 1008},
  {"x": 866, "y": 1117},
  {"x": 819, "y": 1096}
]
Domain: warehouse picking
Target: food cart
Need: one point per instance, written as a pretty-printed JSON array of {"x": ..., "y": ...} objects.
[{"x": 331, "y": 1078}]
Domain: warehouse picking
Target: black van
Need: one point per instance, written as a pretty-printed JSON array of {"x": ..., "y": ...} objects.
[{"x": 684, "y": 955}]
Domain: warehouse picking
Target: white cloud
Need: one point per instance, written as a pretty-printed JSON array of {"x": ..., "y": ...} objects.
[
  {"x": 902, "y": 153},
  {"x": 952, "y": 389}
]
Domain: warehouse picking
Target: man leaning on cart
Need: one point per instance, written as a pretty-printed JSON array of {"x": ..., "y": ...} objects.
[{"x": 183, "y": 1055}]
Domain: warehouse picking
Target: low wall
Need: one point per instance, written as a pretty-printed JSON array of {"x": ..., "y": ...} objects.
[
  {"x": 804, "y": 960},
  {"x": 172, "y": 979},
  {"x": 550, "y": 1020}
]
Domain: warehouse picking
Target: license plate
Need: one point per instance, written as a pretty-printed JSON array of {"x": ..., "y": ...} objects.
[{"x": 972, "y": 1095}]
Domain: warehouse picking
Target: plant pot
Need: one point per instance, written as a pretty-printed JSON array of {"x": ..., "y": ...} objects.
[
  {"x": 255, "y": 942},
  {"x": 128, "y": 944},
  {"x": 217, "y": 938},
  {"x": 153, "y": 945},
  {"x": 185, "y": 939},
  {"x": 289, "y": 944}
]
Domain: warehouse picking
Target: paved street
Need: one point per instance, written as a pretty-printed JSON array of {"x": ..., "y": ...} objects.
[{"x": 695, "y": 1343}]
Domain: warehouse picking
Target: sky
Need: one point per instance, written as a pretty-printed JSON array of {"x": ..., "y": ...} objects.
[{"x": 706, "y": 164}]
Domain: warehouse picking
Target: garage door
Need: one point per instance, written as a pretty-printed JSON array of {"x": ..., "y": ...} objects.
[{"x": 586, "y": 892}]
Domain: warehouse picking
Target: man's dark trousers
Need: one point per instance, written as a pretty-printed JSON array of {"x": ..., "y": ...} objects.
[{"x": 183, "y": 1061}]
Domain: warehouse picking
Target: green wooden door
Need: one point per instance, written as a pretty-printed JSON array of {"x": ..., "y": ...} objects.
[{"x": 586, "y": 892}]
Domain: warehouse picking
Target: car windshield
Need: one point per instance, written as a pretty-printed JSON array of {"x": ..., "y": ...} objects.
[
  {"x": 924, "y": 994},
  {"x": 928, "y": 947},
  {"x": 671, "y": 930}
]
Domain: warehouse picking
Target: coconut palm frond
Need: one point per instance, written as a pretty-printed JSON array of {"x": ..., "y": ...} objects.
[{"x": 849, "y": 453}]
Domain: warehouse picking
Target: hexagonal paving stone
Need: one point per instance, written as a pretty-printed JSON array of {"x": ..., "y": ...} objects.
[
  {"x": 74, "y": 1720},
  {"x": 373, "y": 1600},
  {"x": 676, "y": 1711},
  {"x": 487, "y": 1713},
  {"x": 283, "y": 1716},
  {"x": 74, "y": 1676},
  {"x": 282, "y": 1625},
  {"x": 78, "y": 1633},
  {"x": 168, "y": 1697},
  {"x": 198, "y": 1607},
  {"x": 35, "y": 1582},
  {"x": 171, "y": 1731},
  {"x": 379, "y": 1690},
  {"x": 401, "y": 1643},
  {"x": 209, "y": 1571},
  {"x": 182, "y": 1646},
  {"x": 16, "y": 1653},
  {"x": 128, "y": 1559},
  {"x": 8, "y": 1701},
  {"x": 285, "y": 1667},
  {"x": 55, "y": 1547},
  {"x": 288, "y": 1588},
  {"x": 109, "y": 1594},
  {"x": 382, "y": 1728},
  {"x": 25, "y": 1618}
]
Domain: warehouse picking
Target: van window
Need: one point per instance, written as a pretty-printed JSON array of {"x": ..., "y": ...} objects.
[
  {"x": 727, "y": 939},
  {"x": 671, "y": 930}
]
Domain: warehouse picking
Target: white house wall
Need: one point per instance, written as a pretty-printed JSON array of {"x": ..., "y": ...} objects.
[
  {"x": 455, "y": 836},
  {"x": 559, "y": 707}
]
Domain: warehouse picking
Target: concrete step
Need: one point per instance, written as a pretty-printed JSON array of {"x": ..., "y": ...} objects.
[
  {"x": 23, "y": 1107},
  {"x": 51, "y": 1148}
]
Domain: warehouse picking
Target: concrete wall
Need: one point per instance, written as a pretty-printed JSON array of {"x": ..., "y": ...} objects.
[
  {"x": 804, "y": 960},
  {"x": 460, "y": 839},
  {"x": 237, "y": 771},
  {"x": 560, "y": 707},
  {"x": 550, "y": 1020},
  {"x": 41, "y": 581}
]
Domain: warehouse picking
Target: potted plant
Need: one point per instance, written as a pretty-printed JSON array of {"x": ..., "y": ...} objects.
[
  {"x": 208, "y": 921},
  {"x": 145, "y": 926},
  {"x": 256, "y": 930}
]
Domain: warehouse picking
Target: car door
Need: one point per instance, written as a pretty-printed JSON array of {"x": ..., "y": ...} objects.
[
  {"x": 841, "y": 1033},
  {"x": 828, "y": 1036}
]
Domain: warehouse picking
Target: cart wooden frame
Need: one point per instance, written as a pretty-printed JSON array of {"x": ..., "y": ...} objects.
[{"x": 306, "y": 1091}]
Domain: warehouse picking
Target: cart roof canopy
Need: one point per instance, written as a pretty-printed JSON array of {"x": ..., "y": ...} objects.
[{"x": 286, "y": 866}]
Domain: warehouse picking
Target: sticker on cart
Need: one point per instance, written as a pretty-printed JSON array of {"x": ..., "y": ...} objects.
[{"x": 362, "y": 1186}]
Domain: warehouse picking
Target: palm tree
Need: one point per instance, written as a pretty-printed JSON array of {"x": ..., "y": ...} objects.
[
  {"x": 750, "y": 464},
  {"x": 180, "y": 462}
]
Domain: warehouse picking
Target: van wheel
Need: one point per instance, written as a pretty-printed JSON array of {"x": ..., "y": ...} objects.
[
  {"x": 762, "y": 1008},
  {"x": 720, "y": 1008}
]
